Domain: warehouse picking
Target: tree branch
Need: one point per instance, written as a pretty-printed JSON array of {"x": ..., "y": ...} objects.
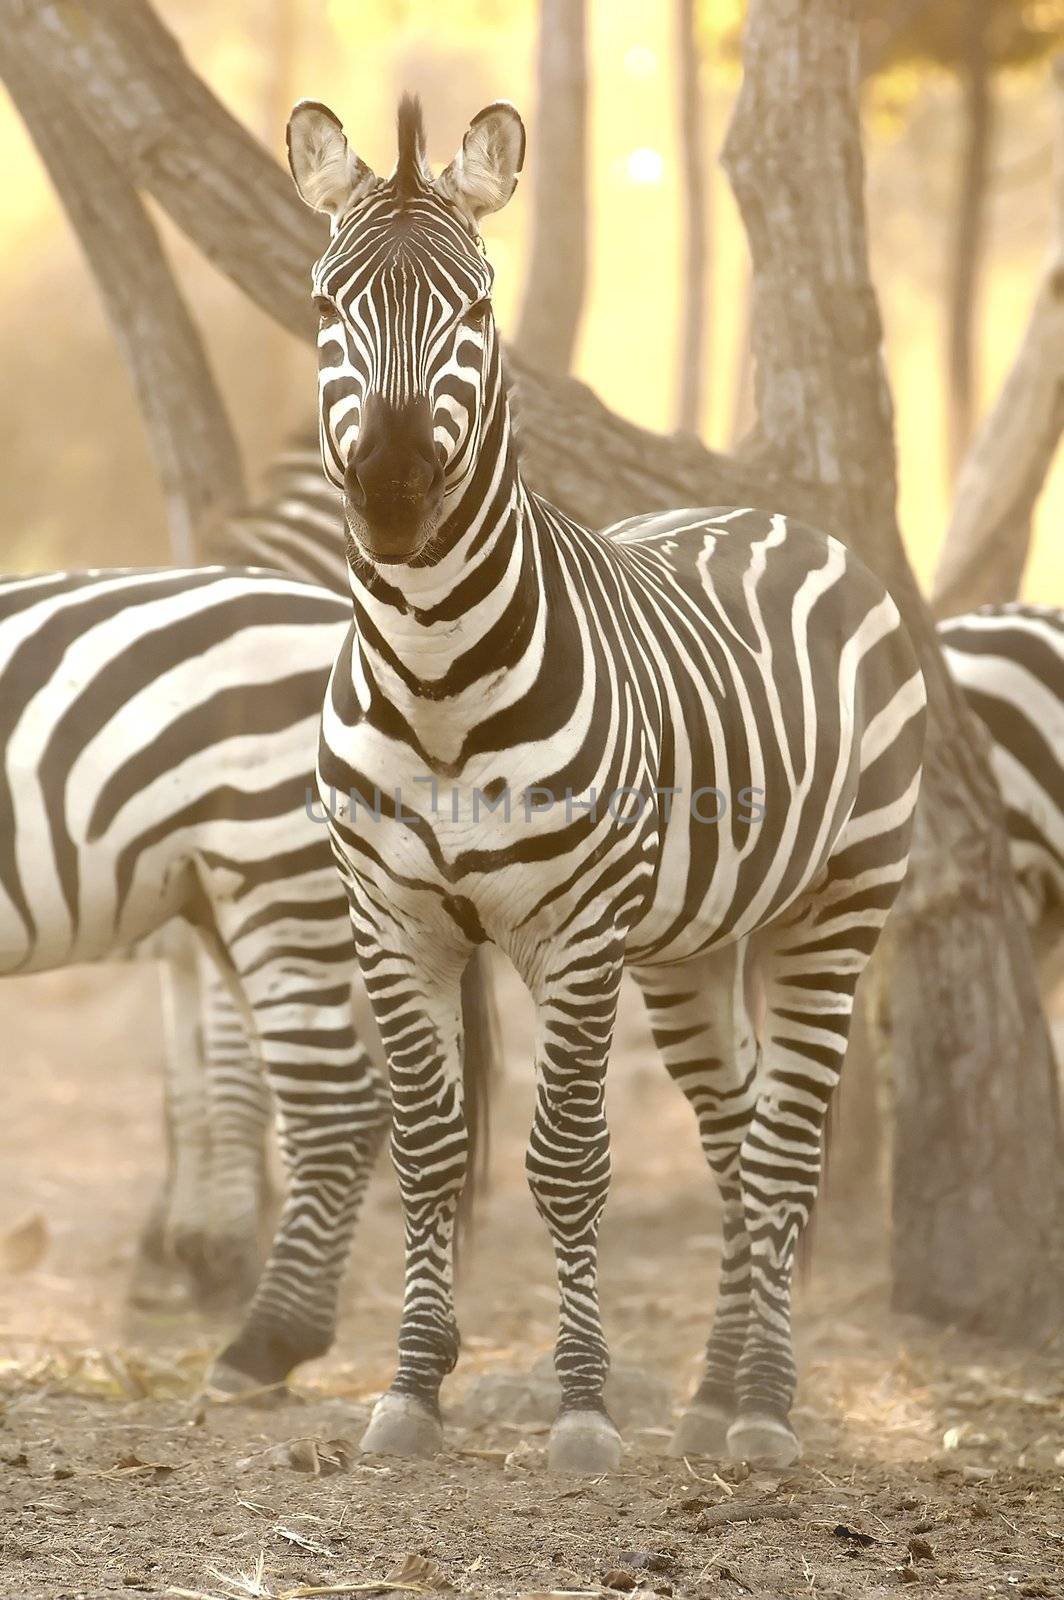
[
  {"x": 195, "y": 450},
  {"x": 128, "y": 78},
  {"x": 124, "y": 73},
  {"x": 553, "y": 297},
  {"x": 968, "y": 225},
  {"x": 986, "y": 544},
  {"x": 694, "y": 289}
]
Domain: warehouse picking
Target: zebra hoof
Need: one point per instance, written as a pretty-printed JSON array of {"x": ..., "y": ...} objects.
[
  {"x": 157, "y": 1288},
  {"x": 402, "y": 1426},
  {"x": 585, "y": 1442},
  {"x": 763, "y": 1440},
  {"x": 227, "y": 1385},
  {"x": 702, "y": 1431}
]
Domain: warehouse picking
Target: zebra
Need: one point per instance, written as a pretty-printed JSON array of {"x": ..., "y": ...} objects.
[
  {"x": 1009, "y": 662},
  {"x": 205, "y": 1227},
  {"x": 204, "y": 1240},
  {"x": 1003, "y": 658},
  {"x": 295, "y": 527},
  {"x": 158, "y": 735},
  {"x": 690, "y": 745}
]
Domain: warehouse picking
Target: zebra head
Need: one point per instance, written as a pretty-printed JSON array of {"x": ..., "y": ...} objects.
[{"x": 406, "y": 346}]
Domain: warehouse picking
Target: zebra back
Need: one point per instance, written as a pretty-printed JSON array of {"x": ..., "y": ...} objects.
[{"x": 295, "y": 528}]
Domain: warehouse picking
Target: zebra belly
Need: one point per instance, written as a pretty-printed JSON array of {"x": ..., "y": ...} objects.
[{"x": 94, "y": 931}]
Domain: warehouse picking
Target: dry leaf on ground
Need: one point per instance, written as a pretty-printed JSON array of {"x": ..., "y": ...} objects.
[
  {"x": 24, "y": 1246},
  {"x": 316, "y": 1456},
  {"x": 419, "y": 1572}
]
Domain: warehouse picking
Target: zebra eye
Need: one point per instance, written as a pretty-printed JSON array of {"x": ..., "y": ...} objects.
[
  {"x": 327, "y": 312},
  {"x": 478, "y": 313}
]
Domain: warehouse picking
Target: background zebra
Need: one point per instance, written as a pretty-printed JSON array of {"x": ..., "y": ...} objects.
[
  {"x": 158, "y": 731},
  {"x": 512, "y": 656},
  {"x": 1009, "y": 660},
  {"x": 206, "y": 1227}
]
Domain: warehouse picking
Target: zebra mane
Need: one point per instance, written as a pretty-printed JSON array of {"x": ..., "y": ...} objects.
[{"x": 412, "y": 170}]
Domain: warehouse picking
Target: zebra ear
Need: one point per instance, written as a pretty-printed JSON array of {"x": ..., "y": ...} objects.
[
  {"x": 328, "y": 174},
  {"x": 483, "y": 175}
]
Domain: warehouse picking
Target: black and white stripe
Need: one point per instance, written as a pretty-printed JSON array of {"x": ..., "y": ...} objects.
[
  {"x": 295, "y": 527},
  {"x": 204, "y": 1231},
  {"x": 1009, "y": 661},
  {"x": 157, "y": 731},
  {"x": 207, "y": 1228},
  {"x": 507, "y": 653}
]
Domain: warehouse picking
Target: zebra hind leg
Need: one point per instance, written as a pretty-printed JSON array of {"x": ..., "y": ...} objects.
[
  {"x": 701, "y": 1026},
  {"x": 568, "y": 1165},
  {"x": 332, "y": 1110}
]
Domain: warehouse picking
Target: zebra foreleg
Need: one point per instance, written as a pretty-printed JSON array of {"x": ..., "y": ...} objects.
[
  {"x": 701, "y": 1025},
  {"x": 568, "y": 1166},
  {"x": 167, "y": 1263},
  {"x": 421, "y": 1035}
]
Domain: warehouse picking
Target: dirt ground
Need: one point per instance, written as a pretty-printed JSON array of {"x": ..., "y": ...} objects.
[{"x": 932, "y": 1460}]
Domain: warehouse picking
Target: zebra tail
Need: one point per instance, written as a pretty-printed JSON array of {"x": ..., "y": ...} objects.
[{"x": 481, "y": 1071}]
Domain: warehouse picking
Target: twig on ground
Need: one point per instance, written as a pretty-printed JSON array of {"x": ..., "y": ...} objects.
[{"x": 717, "y": 1516}]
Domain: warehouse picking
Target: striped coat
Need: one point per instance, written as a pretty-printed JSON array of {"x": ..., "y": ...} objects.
[{"x": 684, "y": 745}]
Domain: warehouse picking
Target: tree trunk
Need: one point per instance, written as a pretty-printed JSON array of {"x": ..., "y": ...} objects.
[
  {"x": 743, "y": 415},
  {"x": 195, "y": 450},
  {"x": 553, "y": 298},
  {"x": 986, "y": 544},
  {"x": 968, "y": 233},
  {"x": 977, "y": 1178},
  {"x": 285, "y": 17},
  {"x": 694, "y": 290}
]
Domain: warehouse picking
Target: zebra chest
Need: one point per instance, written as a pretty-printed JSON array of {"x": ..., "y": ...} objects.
[{"x": 496, "y": 845}]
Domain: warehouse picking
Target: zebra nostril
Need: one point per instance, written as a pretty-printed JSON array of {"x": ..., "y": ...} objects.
[{"x": 353, "y": 487}]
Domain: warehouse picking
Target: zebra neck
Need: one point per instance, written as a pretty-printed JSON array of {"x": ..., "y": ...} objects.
[{"x": 437, "y": 645}]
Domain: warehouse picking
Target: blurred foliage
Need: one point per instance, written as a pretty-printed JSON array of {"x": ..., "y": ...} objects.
[
  {"x": 899, "y": 33},
  {"x": 356, "y": 23},
  {"x": 902, "y": 34}
]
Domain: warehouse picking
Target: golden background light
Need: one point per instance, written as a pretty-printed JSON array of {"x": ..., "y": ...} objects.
[{"x": 78, "y": 486}]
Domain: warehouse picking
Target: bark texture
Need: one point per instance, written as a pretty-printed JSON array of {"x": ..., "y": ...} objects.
[
  {"x": 968, "y": 232},
  {"x": 195, "y": 450},
  {"x": 987, "y": 541},
  {"x": 553, "y": 297},
  {"x": 694, "y": 287},
  {"x": 126, "y": 74},
  {"x": 977, "y": 1188}
]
